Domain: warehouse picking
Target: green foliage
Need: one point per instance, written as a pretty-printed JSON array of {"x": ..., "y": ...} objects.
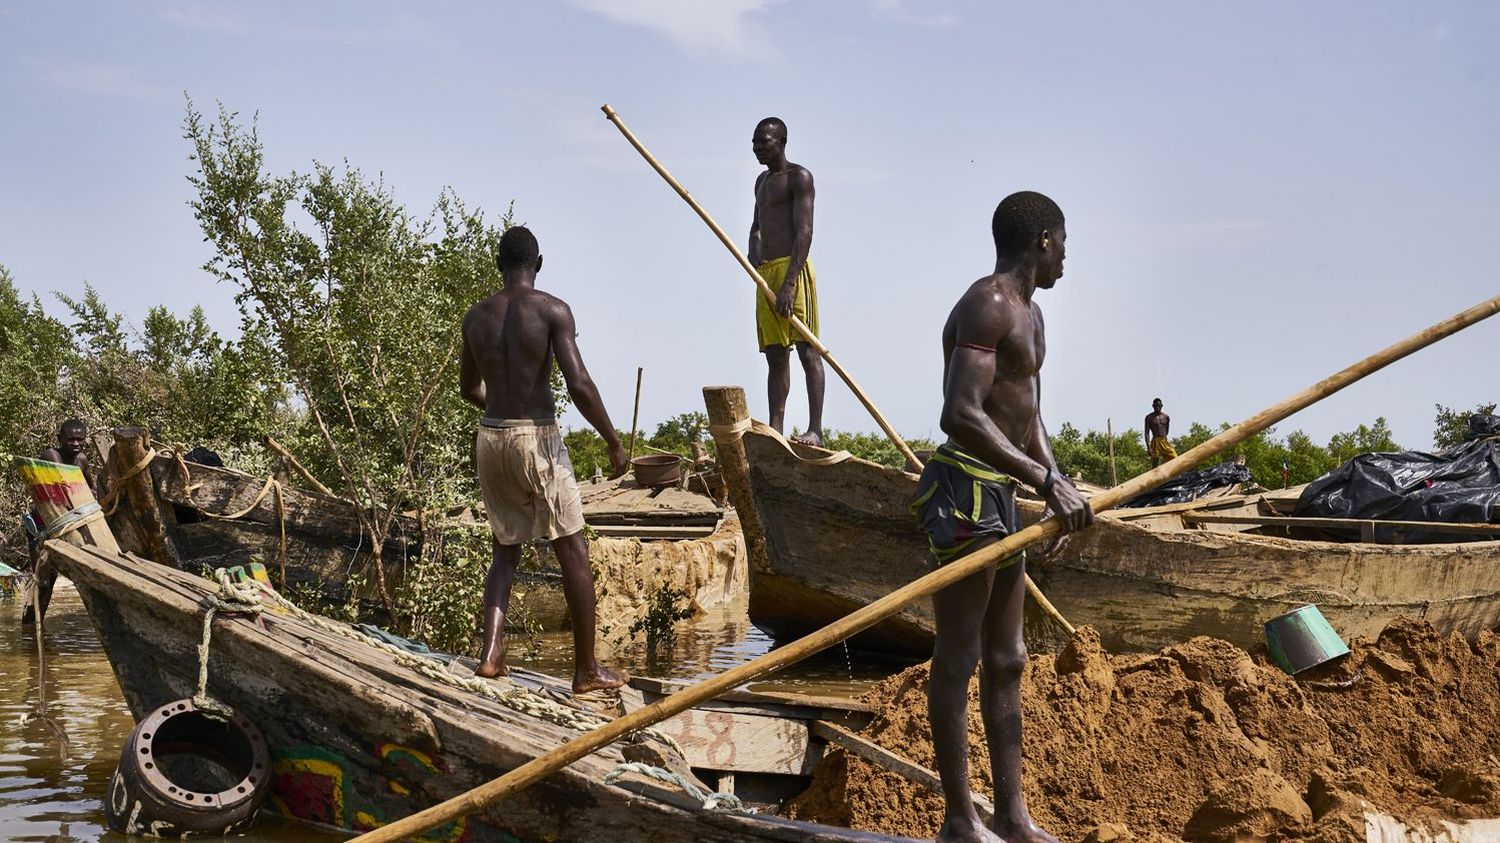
[
  {"x": 875, "y": 447},
  {"x": 1451, "y": 427},
  {"x": 678, "y": 433},
  {"x": 442, "y": 595},
  {"x": 357, "y": 303},
  {"x": 664, "y": 608},
  {"x": 1088, "y": 453}
]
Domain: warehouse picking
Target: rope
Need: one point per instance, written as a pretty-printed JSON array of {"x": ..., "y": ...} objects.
[
  {"x": 230, "y": 598},
  {"x": 728, "y": 434},
  {"x": 718, "y": 801},
  {"x": 73, "y": 519},
  {"x": 516, "y": 698},
  {"x": 112, "y": 498}
]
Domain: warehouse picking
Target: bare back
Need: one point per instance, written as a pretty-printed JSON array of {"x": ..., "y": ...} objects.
[
  {"x": 510, "y": 336},
  {"x": 998, "y": 318}
]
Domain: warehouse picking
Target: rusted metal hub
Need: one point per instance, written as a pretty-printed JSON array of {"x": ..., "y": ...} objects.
[{"x": 184, "y": 771}]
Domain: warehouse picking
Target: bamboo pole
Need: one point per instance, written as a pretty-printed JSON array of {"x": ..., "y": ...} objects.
[
  {"x": 807, "y": 335},
  {"x": 948, "y": 575},
  {"x": 765, "y": 289},
  {"x": 635, "y": 417},
  {"x": 297, "y": 466}
]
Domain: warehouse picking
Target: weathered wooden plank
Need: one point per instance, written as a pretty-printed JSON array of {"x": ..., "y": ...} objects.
[
  {"x": 1344, "y": 523},
  {"x": 884, "y": 758},
  {"x": 737, "y": 741}
]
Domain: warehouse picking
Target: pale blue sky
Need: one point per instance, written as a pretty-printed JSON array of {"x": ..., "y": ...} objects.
[{"x": 1257, "y": 194}]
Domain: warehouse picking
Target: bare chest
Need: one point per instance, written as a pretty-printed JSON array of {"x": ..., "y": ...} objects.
[{"x": 774, "y": 192}]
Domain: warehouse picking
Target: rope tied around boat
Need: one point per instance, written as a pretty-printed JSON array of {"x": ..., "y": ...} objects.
[
  {"x": 230, "y": 598},
  {"x": 521, "y": 700},
  {"x": 716, "y": 801},
  {"x": 74, "y": 519},
  {"x": 726, "y": 434}
]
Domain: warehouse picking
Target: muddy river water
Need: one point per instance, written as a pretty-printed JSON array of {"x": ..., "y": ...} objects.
[{"x": 54, "y": 770}]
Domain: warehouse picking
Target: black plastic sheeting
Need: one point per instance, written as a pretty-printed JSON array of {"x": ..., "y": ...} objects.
[
  {"x": 1191, "y": 486},
  {"x": 1461, "y": 485},
  {"x": 1481, "y": 425}
]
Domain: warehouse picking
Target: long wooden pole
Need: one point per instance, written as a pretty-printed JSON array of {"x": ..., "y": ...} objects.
[
  {"x": 943, "y": 577},
  {"x": 765, "y": 289},
  {"x": 635, "y": 417}
]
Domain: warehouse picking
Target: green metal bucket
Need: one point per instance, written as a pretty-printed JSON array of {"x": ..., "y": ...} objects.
[{"x": 1303, "y": 639}]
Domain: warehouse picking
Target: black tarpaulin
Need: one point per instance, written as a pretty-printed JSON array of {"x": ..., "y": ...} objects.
[{"x": 1192, "y": 485}]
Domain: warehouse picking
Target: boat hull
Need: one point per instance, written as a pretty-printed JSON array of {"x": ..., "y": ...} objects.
[
  {"x": 839, "y": 536},
  {"x": 358, "y": 740}
]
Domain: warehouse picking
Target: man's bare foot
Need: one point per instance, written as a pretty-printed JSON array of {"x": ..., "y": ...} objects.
[
  {"x": 812, "y": 437},
  {"x": 490, "y": 671},
  {"x": 1023, "y": 832},
  {"x": 599, "y": 679},
  {"x": 967, "y": 830}
]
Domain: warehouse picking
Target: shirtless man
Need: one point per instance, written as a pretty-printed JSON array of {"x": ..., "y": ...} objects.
[
  {"x": 1158, "y": 425},
  {"x": 71, "y": 436},
  {"x": 993, "y": 345},
  {"x": 780, "y": 238},
  {"x": 509, "y": 342}
]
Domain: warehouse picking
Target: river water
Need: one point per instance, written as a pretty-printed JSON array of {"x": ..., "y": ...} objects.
[{"x": 52, "y": 787}]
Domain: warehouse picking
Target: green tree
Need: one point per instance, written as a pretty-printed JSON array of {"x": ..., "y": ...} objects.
[
  {"x": 1451, "y": 426},
  {"x": 358, "y": 303}
]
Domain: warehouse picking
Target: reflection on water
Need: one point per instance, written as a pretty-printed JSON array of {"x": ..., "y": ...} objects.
[
  {"x": 48, "y": 795},
  {"x": 708, "y": 646},
  {"x": 49, "y": 792}
]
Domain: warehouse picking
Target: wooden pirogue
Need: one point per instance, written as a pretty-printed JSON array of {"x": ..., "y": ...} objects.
[
  {"x": 358, "y": 737},
  {"x": 838, "y": 535}
]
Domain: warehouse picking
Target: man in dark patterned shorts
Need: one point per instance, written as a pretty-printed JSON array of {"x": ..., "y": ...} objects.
[{"x": 993, "y": 345}]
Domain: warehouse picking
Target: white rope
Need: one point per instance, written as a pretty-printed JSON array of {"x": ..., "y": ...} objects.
[
  {"x": 231, "y": 597},
  {"x": 718, "y": 801}
]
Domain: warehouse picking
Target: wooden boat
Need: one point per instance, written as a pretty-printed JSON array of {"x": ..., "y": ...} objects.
[
  {"x": 838, "y": 535},
  {"x": 359, "y": 737},
  {"x": 173, "y": 511}
]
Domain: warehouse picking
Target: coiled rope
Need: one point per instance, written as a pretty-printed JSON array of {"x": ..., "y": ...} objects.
[{"x": 717, "y": 801}]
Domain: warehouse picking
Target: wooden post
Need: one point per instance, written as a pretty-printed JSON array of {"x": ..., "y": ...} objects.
[
  {"x": 635, "y": 417},
  {"x": 131, "y": 459},
  {"x": 1109, "y": 430},
  {"x": 727, "y": 410},
  {"x": 948, "y": 575}
]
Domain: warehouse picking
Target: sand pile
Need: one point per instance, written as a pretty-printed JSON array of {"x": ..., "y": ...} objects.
[{"x": 1203, "y": 741}]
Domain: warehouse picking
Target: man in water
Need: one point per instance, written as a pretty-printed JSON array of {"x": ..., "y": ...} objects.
[
  {"x": 780, "y": 238},
  {"x": 71, "y": 437},
  {"x": 509, "y": 343},
  {"x": 993, "y": 346},
  {"x": 1158, "y": 425}
]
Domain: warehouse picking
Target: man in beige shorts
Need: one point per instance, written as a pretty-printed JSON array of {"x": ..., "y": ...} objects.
[{"x": 509, "y": 343}]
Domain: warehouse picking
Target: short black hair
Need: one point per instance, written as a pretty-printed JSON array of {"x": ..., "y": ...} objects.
[
  {"x": 1021, "y": 218},
  {"x": 1155, "y": 401},
  {"x": 517, "y": 248},
  {"x": 74, "y": 423},
  {"x": 776, "y": 124}
]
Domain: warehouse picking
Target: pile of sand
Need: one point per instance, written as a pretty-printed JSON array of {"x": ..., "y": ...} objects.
[{"x": 1202, "y": 741}]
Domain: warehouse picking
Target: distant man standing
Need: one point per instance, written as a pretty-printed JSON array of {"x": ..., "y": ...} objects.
[
  {"x": 71, "y": 438},
  {"x": 780, "y": 238},
  {"x": 993, "y": 346},
  {"x": 1158, "y": 426},
  {"x": 509, "y": 342}
]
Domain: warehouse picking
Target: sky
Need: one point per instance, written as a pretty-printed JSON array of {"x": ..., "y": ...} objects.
[{"x": 1256, "y": 194}]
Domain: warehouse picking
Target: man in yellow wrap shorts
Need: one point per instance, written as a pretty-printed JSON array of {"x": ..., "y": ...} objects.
[
  {"x": 780, "y": 238},
  {"x": 1158, "y": 426}
]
